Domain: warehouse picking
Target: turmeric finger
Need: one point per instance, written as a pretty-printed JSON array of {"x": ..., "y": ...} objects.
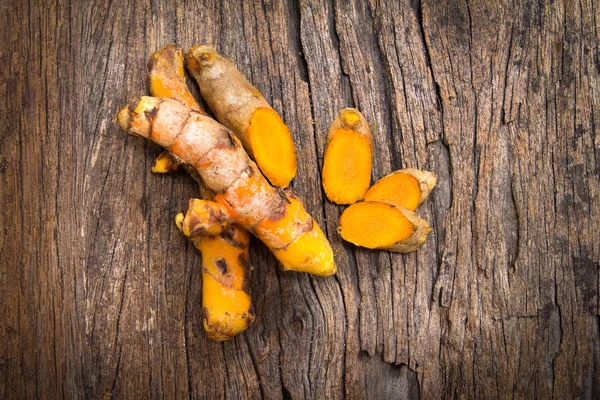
[
  {"x": 239, "y": 106},
  {"x": 376, "y": 225},
  {"x": 348, "y": 158},
  {"x": 226, "y": 301},
  {"x": 241, "y": 190},
  {"x": 406, "y": 188},
  {"x": 166, "y": 76}
]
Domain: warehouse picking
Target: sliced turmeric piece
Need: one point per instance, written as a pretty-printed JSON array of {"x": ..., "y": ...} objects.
[
  {"x": 226, "y": 301},
  {"x": 240, "y": 107},
  {"x": 376, "y": 225},
  {"x": 406, "y": 188},
  {"x": 348, "y": 157},
  {"x": 241, "y": 190}
]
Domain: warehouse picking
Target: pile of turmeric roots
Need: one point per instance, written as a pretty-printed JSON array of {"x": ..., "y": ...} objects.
[{"x": 244, "y": 163}]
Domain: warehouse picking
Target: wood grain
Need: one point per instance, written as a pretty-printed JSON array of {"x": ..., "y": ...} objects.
[{"x": 100, "y": 296}]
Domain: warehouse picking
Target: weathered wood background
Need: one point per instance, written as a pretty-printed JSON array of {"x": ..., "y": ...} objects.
[{"x": 100, "y": 295}]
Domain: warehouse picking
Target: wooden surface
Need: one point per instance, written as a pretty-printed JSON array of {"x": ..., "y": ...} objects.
[{"x": 100, "y": 294}]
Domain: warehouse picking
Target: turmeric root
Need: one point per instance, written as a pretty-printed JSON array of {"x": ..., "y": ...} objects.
[
  {"x": 240, "y": 107},
  {"x": 245, "y": 196},
  {"x": 167, "y": 79},
  {"x": 406, "y": 188},
  {"x": 348, "y": 156},
  {"x": 226, "y": 302},
  {"x": 376, "y": 225}
]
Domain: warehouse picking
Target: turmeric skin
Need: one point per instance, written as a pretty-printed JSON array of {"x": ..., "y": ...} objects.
[
  {"x": 240, "y": 107},
  {"x": 406, "y": 188},
  {"x": 376, "y": 225},
  {"x": 226, "y": 301},
  {"x": 241, "y": 190},
  {"x": 348, "y": 157}
]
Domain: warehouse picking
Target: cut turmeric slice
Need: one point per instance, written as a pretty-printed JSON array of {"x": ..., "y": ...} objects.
[
  {"x": 376, "y": 225},
  {"x": 239, "y": 106},
  {"x": 348, "y": 158},
  {"x": 272, "y": 146},
  {"x": 406, "y": 188}
]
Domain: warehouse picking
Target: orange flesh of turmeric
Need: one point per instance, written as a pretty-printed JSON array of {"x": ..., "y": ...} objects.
[
  {"x": 347, "y": 167},
  {"x": 272, "y": 146},
  {"x": 348, "y": 158},
  {"x": 373, "y": 224},
  {"x": 227, "y": 311},
  {"x": 400, "y": 189}
]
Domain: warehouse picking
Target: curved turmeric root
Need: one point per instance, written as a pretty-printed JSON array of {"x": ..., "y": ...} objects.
[
  {"x": 348, "y": 157},
  {"x": 226, "y": 301},
  {"x": 406, "y": 188},
  {"x": 276, "y": 218},
  {"x": 239, "y": 106},
  {"x": 376, "y": 225}
]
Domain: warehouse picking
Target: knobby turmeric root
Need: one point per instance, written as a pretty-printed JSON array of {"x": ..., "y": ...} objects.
[
  {"x": 226, "y": 301},
  {"x": 406, "y": 188},
  {"x": 348, "y": 157},
  {"x": 376, "y": 225},
  {"x": 246, "y": 198},
  {"x": 239, "y": 106}
]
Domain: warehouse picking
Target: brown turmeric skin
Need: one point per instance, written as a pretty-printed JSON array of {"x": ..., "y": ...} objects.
[
  {"x": 226, "y": 301},
  {"x": 348, "y": 158},
  {"x": 240, "y": 107},
  {"x": 276, "y": 218}
]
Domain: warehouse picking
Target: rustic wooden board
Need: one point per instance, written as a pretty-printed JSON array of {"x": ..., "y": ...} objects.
[{"x": 100, "y": 295}]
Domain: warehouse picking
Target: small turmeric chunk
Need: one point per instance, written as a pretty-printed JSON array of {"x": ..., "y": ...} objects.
[
  {"x": 406, "y": 188},
  {"x": 376, "y": 225},
  {"x": 348, "y": 158},
  {"x": 165, "y": 163},
  {"x": 240, "y": 107},
  {"x": 203, "y": 218}
]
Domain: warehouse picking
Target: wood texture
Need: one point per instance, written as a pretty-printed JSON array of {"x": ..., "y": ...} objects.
[{"x": 100, "y": 294}]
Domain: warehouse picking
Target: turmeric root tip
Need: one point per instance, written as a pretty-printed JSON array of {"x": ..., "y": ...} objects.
[
  {"x": 203, "y": 218},
  {"x": 376, "y": 225},
  {"x": 348, "y": 158},
  {"x": 225, "y": 298},
  {"x": 166, "y": 76},
  {"x": 406, "y": 188}
]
